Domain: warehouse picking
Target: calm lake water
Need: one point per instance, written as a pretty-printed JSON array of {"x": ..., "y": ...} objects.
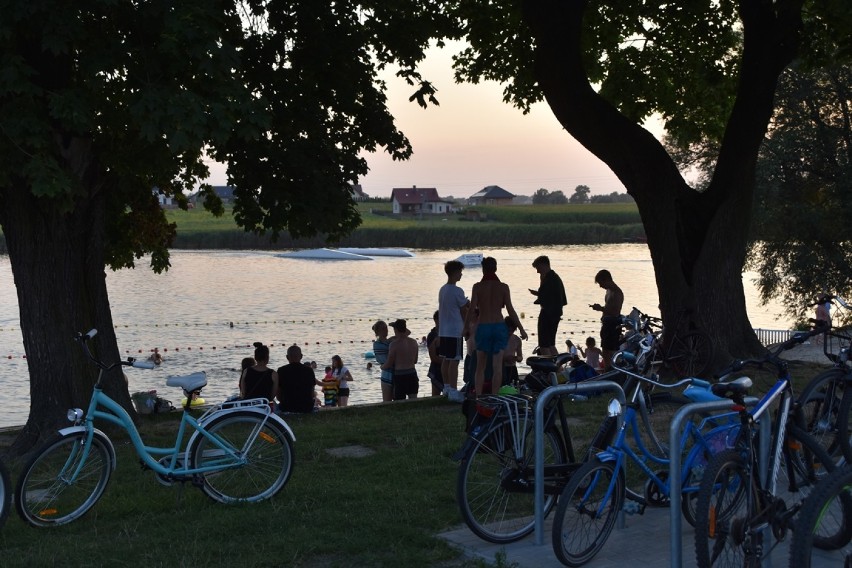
[{"x": 327, "y": 307}]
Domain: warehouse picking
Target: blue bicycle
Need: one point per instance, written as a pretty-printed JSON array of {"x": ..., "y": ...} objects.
[
  {"x": 238, "y": 452},
  {"x": 597, "y": 491}
]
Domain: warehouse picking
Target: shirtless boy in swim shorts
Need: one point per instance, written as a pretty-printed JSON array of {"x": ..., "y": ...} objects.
[
  {"x": 491, "y": 296},
  {"x": 402, "y": 356}
]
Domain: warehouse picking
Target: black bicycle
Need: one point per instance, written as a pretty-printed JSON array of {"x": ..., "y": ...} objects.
[
  {"x": 744, "y": 515},
  {"x": 822, "y": 400}
]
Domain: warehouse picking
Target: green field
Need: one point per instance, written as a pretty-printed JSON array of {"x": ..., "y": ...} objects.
[{"x": 498, "y": 226}]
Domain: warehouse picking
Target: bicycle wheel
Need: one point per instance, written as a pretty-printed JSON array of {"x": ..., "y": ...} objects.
[
  {"x": 809, "y": 464},
  {"x": 827, "y": 509},
  {"x": 5, "y": 494},
  {"x": 587, "y": 511},
  {"x": 260, "y": 441},
  {"x": 844, "y": 436},
  {"x": 821, "y": 403},
  {"x": 49, "y": 493},
  {"x": 725, "y": 503},
  {"x": 495, "y": 492},
  {"x": 690, "y": 354}
]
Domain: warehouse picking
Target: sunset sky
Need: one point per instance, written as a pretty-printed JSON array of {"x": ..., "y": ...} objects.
[{"x": 474, "y": 139}]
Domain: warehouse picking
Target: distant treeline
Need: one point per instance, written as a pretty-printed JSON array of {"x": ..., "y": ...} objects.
[{"x": 492, "y": 226}]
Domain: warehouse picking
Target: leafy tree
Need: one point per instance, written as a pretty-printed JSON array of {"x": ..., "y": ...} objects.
[
  {"x": 581, "y": 194},
  {"x": 541, "y": 197},
  {"x": 101, "y": 101},
  {"x": 557, "y": 198},
  {"x": 613, "y": 197},
  {"x": 804, "y": 190},
  {"x": 710, "y": 69}
]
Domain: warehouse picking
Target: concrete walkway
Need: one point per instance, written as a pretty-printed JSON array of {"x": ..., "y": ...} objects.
[{"x": 644, "y": 542}]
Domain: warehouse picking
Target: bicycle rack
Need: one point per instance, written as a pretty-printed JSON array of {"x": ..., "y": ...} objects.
[
  {"x": 543, "y": 399},
  {"x": 675, "y": 517}
]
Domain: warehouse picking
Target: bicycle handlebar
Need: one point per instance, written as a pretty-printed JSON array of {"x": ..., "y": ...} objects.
[{"x": 83, "y": 338}]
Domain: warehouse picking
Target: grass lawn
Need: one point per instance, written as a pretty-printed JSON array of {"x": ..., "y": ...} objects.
[{"x": 382, "y": 509}]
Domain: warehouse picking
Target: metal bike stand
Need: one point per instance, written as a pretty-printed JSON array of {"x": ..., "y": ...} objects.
[
  {"x": 543, "y": 399},
  {"x": 675, "y": 482}
]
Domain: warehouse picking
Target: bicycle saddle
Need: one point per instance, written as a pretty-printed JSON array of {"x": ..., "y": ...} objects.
[
  {"x": 188, "y": 383},
  {"x": 548, "y": 364},
  {"x": 737, "y": 387}
]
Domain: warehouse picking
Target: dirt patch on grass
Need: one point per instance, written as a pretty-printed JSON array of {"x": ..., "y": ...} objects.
[{"x": 351, "y": 452}]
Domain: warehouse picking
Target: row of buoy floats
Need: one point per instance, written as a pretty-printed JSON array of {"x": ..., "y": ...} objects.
[
  {"x": 294, "y": 321},
  {"x": 249, "y": 346}
]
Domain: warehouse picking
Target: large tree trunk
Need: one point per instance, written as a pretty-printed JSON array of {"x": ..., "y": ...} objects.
[
  {"x": 57, "y": 256},
  {"x": 697, "y": 240}
]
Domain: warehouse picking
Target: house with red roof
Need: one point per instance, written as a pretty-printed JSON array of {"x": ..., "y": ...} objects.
[{"x": 416, "y": 200}]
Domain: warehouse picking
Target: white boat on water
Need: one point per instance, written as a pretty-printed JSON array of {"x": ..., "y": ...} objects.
[
  {"x": 324, "y": 254},
  {"x": 377, "y": 251},
  {"x": 471, "y": 259}
]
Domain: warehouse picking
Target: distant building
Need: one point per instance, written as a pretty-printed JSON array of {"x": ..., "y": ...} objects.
[
  {"x": 225, "y": 193},
  {"x": 358, "y": 193},
  {"x": 416, "y": 200},
  {"x": 491, "y": 195},
  {"x": 166, "y": 201}
]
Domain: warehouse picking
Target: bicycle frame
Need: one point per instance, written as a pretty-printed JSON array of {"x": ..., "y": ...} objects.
[
  {"x": 619, "y": 451},
  {"x": 177, "y": 467}
]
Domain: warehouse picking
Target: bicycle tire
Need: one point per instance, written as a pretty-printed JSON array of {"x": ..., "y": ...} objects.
[
  {"x": 718, "y": 439},
  {"x": 844, "y": 435},
  {"x": 721, "y": 506},
  {"x": 811, "y": 464},
  {"x": 5, "y": 494},
  {"x": 43, "y": 498},
  {"x": 808, "y": 463},
  {"x": 579, "y": 532},
  {"x": 266, "y": 446},
  {"x": 489, "y": 508},
  {"x": 821, "y": 402},
  {"x": 690, "y": 354},
  {"x": 827, "y": 509}
]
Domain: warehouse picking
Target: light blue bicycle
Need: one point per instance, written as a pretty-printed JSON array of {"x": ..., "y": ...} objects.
[{"x": 237, "y": 452}]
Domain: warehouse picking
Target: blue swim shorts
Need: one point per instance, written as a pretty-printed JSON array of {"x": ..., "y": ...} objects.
[{"x": 492, "y": 337}]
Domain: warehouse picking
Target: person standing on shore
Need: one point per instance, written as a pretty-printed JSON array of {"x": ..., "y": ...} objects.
[
  {"x": 611, "y": 318},
  {"x": 451, "y": 302},
  {"x": 490, "y": 296},
  {"x": 432, "y": 342},
  {"x": 402, "y": 356},
  {"x": 551, "y": 297},
  {"x": 512, "y": 355},
  {"x": 381, "y": 344},
  {"x": 343, "y": 376}
]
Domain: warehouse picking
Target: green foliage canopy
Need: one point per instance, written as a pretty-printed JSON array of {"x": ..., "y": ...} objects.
[
  {"x": 113, "y": 99},
  {"x": 804, "y": 190}
]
